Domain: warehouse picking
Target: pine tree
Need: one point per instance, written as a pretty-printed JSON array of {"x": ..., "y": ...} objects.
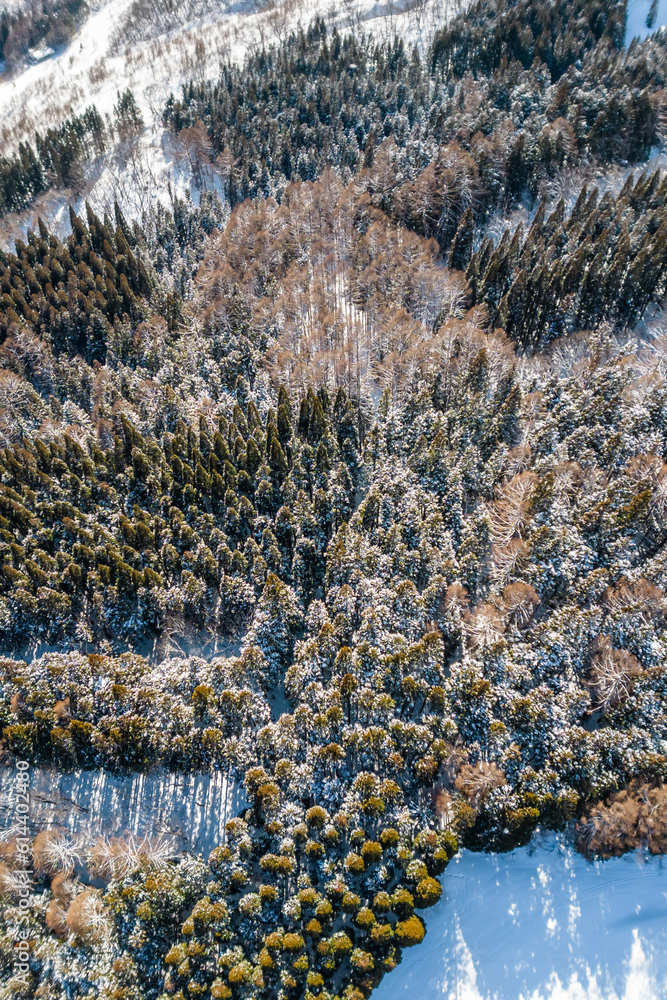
[{"x": 461, "y": 251}]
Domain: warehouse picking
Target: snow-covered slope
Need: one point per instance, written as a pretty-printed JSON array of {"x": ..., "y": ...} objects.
[
  {"x": 118, "y": 48},
  {"x": 99, "y": 63},
  {"x": 641, "y": 11},
  {"x": 541, "y": 923}
]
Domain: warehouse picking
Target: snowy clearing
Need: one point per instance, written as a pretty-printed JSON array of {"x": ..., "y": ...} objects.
[
  {"x": 541, "y": 923},
  {"x": 638, "y": 13},
  {"x": 190, "y": 810}
]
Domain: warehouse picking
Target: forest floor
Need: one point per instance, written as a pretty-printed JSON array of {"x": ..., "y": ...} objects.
[{"x": 189, "y": 811}]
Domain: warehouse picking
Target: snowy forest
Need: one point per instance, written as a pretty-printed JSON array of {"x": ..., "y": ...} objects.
[{"x": 385, "y": 420}]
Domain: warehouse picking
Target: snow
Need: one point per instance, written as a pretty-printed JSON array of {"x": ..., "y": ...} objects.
[
  {"x": 13, "y": 6},
  {"x": 638, "y": 11},
  {"x": 43, "y": 52},
  {"x": 541, "y": 923},
  {"x": 156, "y": 650},
  {"x": 64, "y": 84},
  {"x": 92, "y": 69},
  {"x": 188, "y": 810}
]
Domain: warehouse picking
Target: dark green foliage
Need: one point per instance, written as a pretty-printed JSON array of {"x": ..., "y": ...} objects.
[
  {"x": 127, "y": 116},
  {"x": 439, "y": 537},
  {"x": 59, "y": 153},
  {"x": 497, "y": 33},
  {"x": 148, "y": 531},
  {"x": 71, "y": 293},
  {"x": 607, "y": 261},
  {"x": 321, "y": 98}
]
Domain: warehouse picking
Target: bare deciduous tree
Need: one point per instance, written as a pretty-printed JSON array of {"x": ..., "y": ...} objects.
[{"x": 613, "y": 674}]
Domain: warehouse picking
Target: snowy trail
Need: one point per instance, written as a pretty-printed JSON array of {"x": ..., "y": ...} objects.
[{"x": 542, "y": 923}]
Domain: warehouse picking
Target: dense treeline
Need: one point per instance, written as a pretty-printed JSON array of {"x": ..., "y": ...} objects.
[
  {"x": 480, "y": 650},
  {"x": 357, "y": 298},
  {"x": 129, "y": 540},
  {"x": 499, "y": 33},
  {"x": 316, "y": 892},
  {"x": 290, "y": 110},
  {"x": 70, "y": 293},
  {"x": 606, "y": 262},
  {"x": 387, "y": 427},
  {"x": 56, "y": 159},
  {"x": 110, "y": 294},
  {"x": 479, "y": 130},
  {"x": 344, "y": 301},
  {"x": 473, "y": 114}
]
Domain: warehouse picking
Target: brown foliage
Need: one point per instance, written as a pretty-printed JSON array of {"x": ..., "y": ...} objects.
[
  {"x": 86, "y": 918},
  {"x": 42, "y": 858},
  {"x": 61, "y": 710},
  {"x": 644, "y": 469},
  {"x": 455, "y": 598},
  {"x": 633, "y": 818},
  {"x": 484, "y": 626},
  {"x": 116, "y": 857},
  {"x": 518, "y": 459},
  {"x": 443, "y": 808},
  {"x": 63, "y": 888},
  {"x": 627, "y": 595},
  {"x": 53, "y": 851},
  {"x": 347, "y": 292},
  {"x": 18, "y": 706},
  {"x": 10, "y": 854},
  {"x": 8, "y": 881},
  {"x": 435, "y": 201},
  {"x": 510, "y": 513},
  {"x": 520, "y": 600},
  {"x": 476, "y": 781},
  {"x": 56, "y": 918},
  {"x": 613, "y": 674},
  {"x": 508, "y": 558}
]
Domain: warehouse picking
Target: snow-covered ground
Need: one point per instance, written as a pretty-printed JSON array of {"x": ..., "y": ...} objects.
[
  {"x": 189, "y": 811},
  {"x": 97, "y": 63},
  {"x": 638, "y": 12},
  {"x": 13, "y": 6},
  {"x": 541, "y": 923}
]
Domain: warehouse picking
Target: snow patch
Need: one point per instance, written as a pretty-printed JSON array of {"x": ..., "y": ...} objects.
[
  {"x": 638, "y": 15},
  {"x": 94, "y": 68},
  {"x": 541, "y": 923},
  {"x": 189, "y": 810}
]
